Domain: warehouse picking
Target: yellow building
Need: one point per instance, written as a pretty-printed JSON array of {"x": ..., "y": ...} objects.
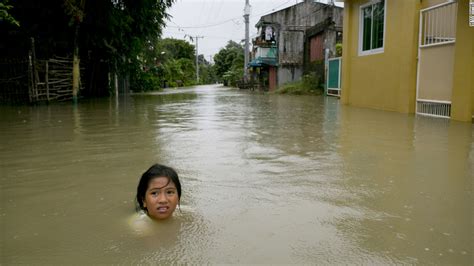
[{"x": 409, "y": 56}]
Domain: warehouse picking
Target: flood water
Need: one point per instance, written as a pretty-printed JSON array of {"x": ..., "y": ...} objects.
[{"x": 272, "y": 179}]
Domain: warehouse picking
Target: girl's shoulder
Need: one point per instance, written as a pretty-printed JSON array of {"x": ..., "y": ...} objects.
[{"x": 140, "y": 223}]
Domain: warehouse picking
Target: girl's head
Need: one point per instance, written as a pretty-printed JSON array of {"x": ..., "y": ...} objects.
[{"x": 158, "y": 192}]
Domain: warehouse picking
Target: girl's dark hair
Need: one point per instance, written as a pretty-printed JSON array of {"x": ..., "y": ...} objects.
[{"x": 156, "y": 170}]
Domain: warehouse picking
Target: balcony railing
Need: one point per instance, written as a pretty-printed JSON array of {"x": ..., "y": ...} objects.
[
  {"x": 263, "y": 43},
  {"x": 266, "y": 52}
]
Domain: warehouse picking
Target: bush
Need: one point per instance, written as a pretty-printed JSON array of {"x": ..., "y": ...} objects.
[
  {"x": 145, "y": 81},
  {"x": 311, "y": 83},
  {"x": 338, "y": 49},
  {"x": 232, "y": 76}
]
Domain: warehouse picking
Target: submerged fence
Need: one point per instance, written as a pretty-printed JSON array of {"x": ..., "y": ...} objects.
[
  {"x": 26, "y": 80},
  {"x": 14, "y": 80},
  {"x": 29, "y": 80},
  {"x": 53, "y": 81}
]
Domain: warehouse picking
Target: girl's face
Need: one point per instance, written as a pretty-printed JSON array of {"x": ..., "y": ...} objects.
[{"x": 161, "y": 198}]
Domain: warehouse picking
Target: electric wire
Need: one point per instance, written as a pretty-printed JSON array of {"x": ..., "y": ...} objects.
[{"x": 228, "y": 20}]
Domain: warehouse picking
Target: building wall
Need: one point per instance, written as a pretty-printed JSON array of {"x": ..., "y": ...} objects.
[
  {"x": 306, "y": 14},
  {"x": 290, "y": 50},
  {"x": 292, "y": 23},
  {"x": 429, "y": 3},
  {"x": 288, "y": 74},
  {"x": 386, "y": 80},
  {"x": 462, "y": 105}
]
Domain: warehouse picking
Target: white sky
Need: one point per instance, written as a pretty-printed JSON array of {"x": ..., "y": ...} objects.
[{"x": 218, "y": 21}]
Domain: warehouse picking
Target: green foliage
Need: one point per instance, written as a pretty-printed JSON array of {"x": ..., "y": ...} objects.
[
  {"x": 178, "y": 72},
  {"x": 174, "y": 49},
  {"x": 132, "y": 40},
  {"x": 207, "y": 74},
  {"x": 169, "y": 62},
  {"x": 309, "y": 84},
  {"x": 229, "y": 63},
  {"x": 313, "y": 81},
  {"x": 145, "y": 81},
  {"x": 75, "y": 10},
  {"x": 315, "y": 66},
  {"x": 338, "y": 49},
  {"x": 5, "y": 15},
  {"x": 119, "y": 36},
  {"x": 232, "y": 76}
]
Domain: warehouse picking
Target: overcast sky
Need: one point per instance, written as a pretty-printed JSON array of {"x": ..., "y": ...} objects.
[{"x": 217, "y": 21}]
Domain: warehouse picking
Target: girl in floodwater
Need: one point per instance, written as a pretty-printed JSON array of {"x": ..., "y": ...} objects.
[
  {"x": 158, "y": 192},
  {"x": 158, "y": 195}
]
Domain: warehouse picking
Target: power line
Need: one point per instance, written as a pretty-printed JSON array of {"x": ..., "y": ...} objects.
[
  {"x": 203, "y": 26},
  {"x": 186, "y": 34},
  {"x": 224, "y": 21},
  {"x": 271, "y": 10}
]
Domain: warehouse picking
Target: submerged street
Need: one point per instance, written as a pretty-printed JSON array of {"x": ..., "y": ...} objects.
[{"x": 266, "y": 179}]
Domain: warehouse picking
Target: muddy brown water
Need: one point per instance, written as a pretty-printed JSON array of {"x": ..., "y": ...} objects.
[{"x": 266, "y": 179}]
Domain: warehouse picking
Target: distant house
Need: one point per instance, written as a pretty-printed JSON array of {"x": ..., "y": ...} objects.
[
  {"x": 290, "y": 39},
  {"x": 409, "y": 56}
]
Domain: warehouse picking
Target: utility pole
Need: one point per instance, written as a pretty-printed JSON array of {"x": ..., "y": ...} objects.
[
  {"x": 197, "y": 55},
  {"x": 246, "y": 55}
]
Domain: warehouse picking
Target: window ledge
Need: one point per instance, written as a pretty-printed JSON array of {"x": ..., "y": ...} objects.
[{"x": 371, "y": 52}]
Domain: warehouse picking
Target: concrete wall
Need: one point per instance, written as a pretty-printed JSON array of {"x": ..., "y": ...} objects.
[
  {"x": 429, "y": 3},
  {"x": 291, "y": 47},
  {"x": 330, "y": 37},
  {"x": 385, "y": 80},
  {"x": 307, "y": 13},
  {"x": 388, "y": 80},
  {"x": 462, "y": 105},
  {"x": 292, "y": 23},
  {"x": 289, "y": 74}
]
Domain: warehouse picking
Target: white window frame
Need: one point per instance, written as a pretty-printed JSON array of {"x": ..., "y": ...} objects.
[{"x": 361, "y": 29}]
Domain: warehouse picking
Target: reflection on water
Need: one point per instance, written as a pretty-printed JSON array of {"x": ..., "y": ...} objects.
[{"x": 266, "y": 179}]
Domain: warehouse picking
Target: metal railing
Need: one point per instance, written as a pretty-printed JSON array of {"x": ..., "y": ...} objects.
[
  {"x": 438, "y": 24},
  {"x": 434, "y": 108}
]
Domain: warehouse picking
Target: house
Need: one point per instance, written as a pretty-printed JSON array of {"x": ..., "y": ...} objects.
[
  {"x": 409, "y": 56},
  {"x": 289, "y": 40}
]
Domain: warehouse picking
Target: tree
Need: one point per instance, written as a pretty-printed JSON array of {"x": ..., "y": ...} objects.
[
  {"x": 175, "y": 49},
  {"x": 170, "y": 62},
  {"x": 130, "y": 29},
  {"x": 206, "y": 73},
  {"x": 111, "y": 37},
  {"x": 5, "y": 16},
  {"x": 75, "y": 9},
  {"x": 229, "y": 63}
]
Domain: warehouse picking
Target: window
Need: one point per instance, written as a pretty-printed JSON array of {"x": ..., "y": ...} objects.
[{"x": 372, "y": 27}]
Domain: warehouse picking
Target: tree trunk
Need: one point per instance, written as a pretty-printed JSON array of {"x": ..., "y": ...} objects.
[{"x": 75, "y": 66}]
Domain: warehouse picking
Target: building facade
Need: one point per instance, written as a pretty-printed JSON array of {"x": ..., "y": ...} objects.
[
  {"x": 409, "y": 56},
  {"x": 290, "y": 39}
]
